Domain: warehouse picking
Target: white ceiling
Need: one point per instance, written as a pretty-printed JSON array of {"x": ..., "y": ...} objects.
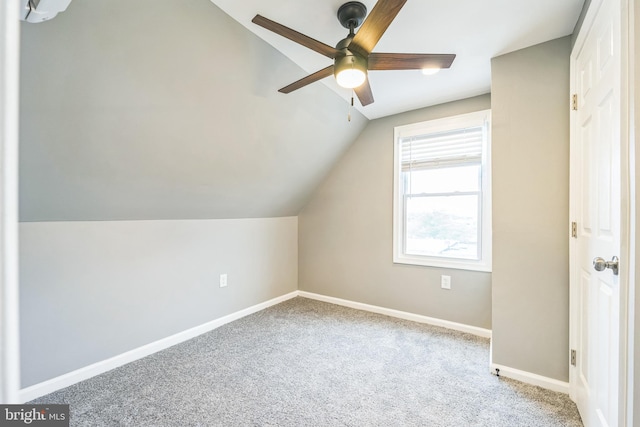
[{"x": 474, "y": 30}]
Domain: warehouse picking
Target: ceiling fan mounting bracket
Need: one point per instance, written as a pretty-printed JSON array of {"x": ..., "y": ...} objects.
[{"x": 352, "y": 14}]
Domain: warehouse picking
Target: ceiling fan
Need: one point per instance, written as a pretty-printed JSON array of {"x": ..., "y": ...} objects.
[{"x": 352, "y": 55}]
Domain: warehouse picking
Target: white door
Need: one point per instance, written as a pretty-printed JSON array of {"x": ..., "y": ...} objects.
[{"x": 595, "y": 193}]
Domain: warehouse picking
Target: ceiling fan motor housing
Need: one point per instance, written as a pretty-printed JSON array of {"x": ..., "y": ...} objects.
[
  {"x": 352, "y": 14},
  {"x": 347, "y": 59},
  {"x": 350, "y": 70},
  {"x": 351, "y": 60}
]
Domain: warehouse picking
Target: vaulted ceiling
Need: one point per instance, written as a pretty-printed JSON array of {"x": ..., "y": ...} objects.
[
  {"x": 475, "y": 31},
  {"x": 164, "y": 109}
]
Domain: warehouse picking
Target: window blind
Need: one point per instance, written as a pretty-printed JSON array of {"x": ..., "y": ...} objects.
[{"x": 442, "y": 148}]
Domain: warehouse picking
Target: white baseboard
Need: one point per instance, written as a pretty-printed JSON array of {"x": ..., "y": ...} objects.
[
  {"x": 98, "y": 368},
  {"x": 481, "y": 332},
  {"x": 54, "y": 384},
  {"x": 529, "y": 378}
]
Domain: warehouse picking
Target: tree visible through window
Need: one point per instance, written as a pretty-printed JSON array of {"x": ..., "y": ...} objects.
[{"x": 442, "y": 203}]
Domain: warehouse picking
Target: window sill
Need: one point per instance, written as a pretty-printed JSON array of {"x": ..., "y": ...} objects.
[{"x": 443, "y": 263}]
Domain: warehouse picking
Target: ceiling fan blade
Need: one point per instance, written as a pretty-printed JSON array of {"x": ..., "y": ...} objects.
[
  {"x": 295, "y": 36},
  {"x": 364, "y": 93},
  {"x": 318, "y": 75},
  {"x": 374, "y": 26},
  {"x": 409, "y": 61}
]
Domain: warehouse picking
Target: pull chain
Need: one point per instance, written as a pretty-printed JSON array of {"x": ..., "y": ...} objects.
[{"x": 350, "y": 106}]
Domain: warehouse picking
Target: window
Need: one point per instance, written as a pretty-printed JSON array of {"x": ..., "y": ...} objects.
[{"x": 442, "y": 201}]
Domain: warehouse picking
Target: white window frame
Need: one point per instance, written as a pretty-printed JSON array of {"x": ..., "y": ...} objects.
[{"x": 479, "y": 118}]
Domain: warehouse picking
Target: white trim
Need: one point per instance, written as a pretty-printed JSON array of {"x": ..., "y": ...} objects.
[
  {"x": 481, "y": 332},
  {"x": 632, "y": 392},
  {"x": 626, "y": 308},
  {"x": 9, "y": 319},
  {"x": 98, "y": 368},
  {"x": 476, "y": 118},
  {"x": 573, "y": 185},
  {"x": 529, "y": 378}
]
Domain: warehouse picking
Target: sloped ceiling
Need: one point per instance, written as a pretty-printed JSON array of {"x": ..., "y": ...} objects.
[
  {"x": 475, "y": 31},
  {"x": 165, "y": 109}
]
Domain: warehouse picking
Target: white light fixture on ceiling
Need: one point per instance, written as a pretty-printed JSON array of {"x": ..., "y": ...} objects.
[
  {"x": 350, "y": 71},
  {"x": 430, "y": 71}
]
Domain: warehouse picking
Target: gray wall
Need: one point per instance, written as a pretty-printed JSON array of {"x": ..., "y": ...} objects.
[
  {"x": 345, "y": 234},
  {"x": 160, "y": 109},
  {"x": 93, "y": 290},
  {"x": 154, "y": 110},
  {"x": 167, "y": 109},
  {"x": 530, "y": 106}
]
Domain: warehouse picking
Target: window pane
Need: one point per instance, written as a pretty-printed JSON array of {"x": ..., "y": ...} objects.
[
  {"x": 444, "y": 180},
  {"x": 442, "y": 226}
]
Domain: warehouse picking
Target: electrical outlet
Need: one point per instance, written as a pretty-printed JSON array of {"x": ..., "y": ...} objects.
[
  {"x": 445, "y": 282},
  {"x": 223, "y": 280}
]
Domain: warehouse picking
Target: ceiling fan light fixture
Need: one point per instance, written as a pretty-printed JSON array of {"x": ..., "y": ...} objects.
[
  {"x": 351, "y": 78},
  {"x": 350, "y": 71},
  {"x": 430, "y": 71}
]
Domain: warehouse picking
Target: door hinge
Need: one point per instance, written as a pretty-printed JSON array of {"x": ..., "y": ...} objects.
[
  {"x": 574, "y": 102},
  {"x": 574, "y": 229},
  {"x": 573, "y": 358}
]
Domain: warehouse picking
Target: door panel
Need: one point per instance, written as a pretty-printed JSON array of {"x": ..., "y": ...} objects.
[{"x": 583, "y": 356}]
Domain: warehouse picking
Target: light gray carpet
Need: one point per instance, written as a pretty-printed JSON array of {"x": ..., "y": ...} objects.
[{"x": 308, "y": 363}]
